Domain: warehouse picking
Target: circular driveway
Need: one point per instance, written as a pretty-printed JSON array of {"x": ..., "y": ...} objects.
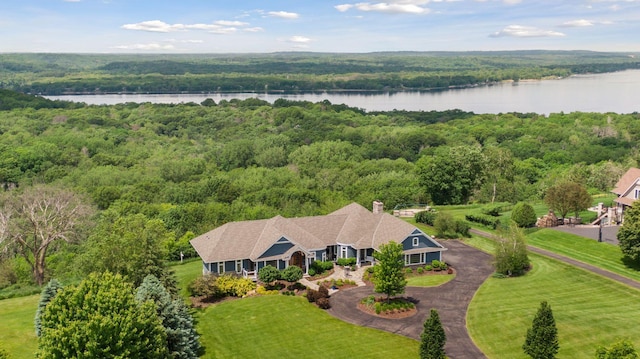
[{"x": 450, "y": 299}]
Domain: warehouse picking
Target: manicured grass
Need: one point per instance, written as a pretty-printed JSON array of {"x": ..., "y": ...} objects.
[
  {"x": 602, "y": 255},
  {"x": 185, "y": 273},
  {"x": 289, "y": 327},
  {"x": 589, "y": 310},
  {"x": 17, "y": 335},
  {"x": 429, "y": 280}
]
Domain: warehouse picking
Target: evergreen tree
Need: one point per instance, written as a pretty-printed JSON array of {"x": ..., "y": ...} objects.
[
  {"x": 100, "y": 318},
  {"x": 47, "y": 294},
  {"x": 524, "y": 215},
  {"x": 182, "y": 339},
  {"x": 389, "y": 270},
  {"x": 542, "y": 337},
  {"x": 432, "y": 338}
]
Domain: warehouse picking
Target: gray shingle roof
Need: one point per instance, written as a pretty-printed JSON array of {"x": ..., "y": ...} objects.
[{"x": 353, "y": 225}]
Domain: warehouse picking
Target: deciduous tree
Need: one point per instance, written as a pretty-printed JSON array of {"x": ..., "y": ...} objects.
[
  {"x": 542, "y": 337},
  {"x": 388, "y": 271},
  {"x": 100, "y": 318},
  {"x": 629, "y": 233},
  {"x": 433, "y": 338},
  {"x": 511, "y": 256},
  {"x": 452, "y": 174},
  {"x": 35, "y": 219},
  {"x": 567, "y": 197},
  {"x": 132, "y": 245}
]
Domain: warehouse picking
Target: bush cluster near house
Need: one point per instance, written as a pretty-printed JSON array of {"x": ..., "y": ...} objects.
[
  {"x": 320, "y": 267},
  {"x": 320, "y": 297},
  {"x": 216, "y": 287}
]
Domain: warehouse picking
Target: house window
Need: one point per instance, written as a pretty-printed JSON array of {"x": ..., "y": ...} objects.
[
  {"x": 343, "y": 252},
  {"x": 220, "y": 267},
  {"x": 415, "y": 258},
  {"x": 272, "y": 263},
  {"x": 238, "y": 266},
  {"x": 324, "y": 256},
  {"x": 416, "y": 241},
  {"x": 637, "y": 193}
]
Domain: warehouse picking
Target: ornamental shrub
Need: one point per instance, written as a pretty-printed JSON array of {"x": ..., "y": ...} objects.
[
  {"x": 323, "y": 303},
  {"x": 205, "y": 286},
  {"x": 346, "y": 262},
  {"x": 268, "y": 274},
  {"x": 420, "y": 270},
  {"x": 291, "y": 274},
  {"x": 523, "y": 215},
  {"x": 324, "y": 292},
  {"x": 312, "y": 272},
  {"x": 242, "y": 286},
  {"x": 426, "y": 217}
]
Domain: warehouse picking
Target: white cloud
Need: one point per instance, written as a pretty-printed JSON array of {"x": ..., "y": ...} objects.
[
  {"x": 230, "y": 23},
  {"x": 343, "y": 7},
  {"x": 152, "y": 46},
  {"x": 394, "y": 7},
  {"x": 218, "y": 27},
  {"x": 512, "y": 2},
  {"x": 253, "y": 29},
  {"x": 153, "y": 26},
  {"x": 299, "y": 39},
  {"x": 525, "y": 31},
  {"x": 283, "y": 14},
  {"x": 578, "y": 23}
]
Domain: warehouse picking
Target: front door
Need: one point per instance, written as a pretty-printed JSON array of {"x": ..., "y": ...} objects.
[{"x": 297, "y": 259}]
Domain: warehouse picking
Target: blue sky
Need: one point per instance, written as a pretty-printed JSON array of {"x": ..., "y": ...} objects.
[{"x": 222, "y": 26}]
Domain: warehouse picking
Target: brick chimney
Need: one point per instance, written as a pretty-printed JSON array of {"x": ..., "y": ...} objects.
[{"x": 378, "y": 207}]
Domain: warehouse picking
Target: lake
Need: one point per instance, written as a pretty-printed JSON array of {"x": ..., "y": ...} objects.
[{"x": 610, "y": 92}]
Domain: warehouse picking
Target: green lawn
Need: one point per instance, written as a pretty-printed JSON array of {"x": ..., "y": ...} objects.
[
  {"x": 429, "y": 280},
  {"x": 602, "y": 255},
  {"x": 185, "y": 273},
  {"x": 17, "y": 335},
  {"x": 289, "y": 327},
  {"x": 589, "y": 310}
]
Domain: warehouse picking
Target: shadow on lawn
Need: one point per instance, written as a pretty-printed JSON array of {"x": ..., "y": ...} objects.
[{"x": 630, "y": 263}]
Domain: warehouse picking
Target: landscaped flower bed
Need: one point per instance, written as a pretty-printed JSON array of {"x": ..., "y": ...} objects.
[
  {"x": 337, "y": 283},
  {"x": 395, "y": 308}
]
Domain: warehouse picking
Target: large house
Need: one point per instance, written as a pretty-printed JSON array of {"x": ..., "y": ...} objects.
[
  {"x": 628, "y": 191},
  {"x": 350, "y": 232}
]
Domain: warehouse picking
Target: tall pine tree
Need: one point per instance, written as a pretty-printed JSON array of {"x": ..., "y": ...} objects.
[
  {"x": 432, "y": 338},
  {"x": 182, "y": 339},
  {"x": 542, "y": 337}
]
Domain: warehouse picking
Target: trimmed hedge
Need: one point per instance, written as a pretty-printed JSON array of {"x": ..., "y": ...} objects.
[{"x": 488, "y": 221}]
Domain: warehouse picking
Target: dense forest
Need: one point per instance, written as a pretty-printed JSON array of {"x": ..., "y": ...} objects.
[
  {"x": 56, "y": 74},
  {"x": 181, "y": 170}
]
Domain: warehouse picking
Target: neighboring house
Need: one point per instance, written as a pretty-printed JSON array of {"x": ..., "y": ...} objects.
[
  {"x": 628, "y": 191},
  {"x": 350, "y": 232}
]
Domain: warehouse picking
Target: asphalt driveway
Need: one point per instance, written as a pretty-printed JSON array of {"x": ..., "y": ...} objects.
[{"x": 451, "y": 300}]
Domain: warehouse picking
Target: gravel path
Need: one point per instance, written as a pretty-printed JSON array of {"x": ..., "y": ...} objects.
[{"x": 450, "y": 299}]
